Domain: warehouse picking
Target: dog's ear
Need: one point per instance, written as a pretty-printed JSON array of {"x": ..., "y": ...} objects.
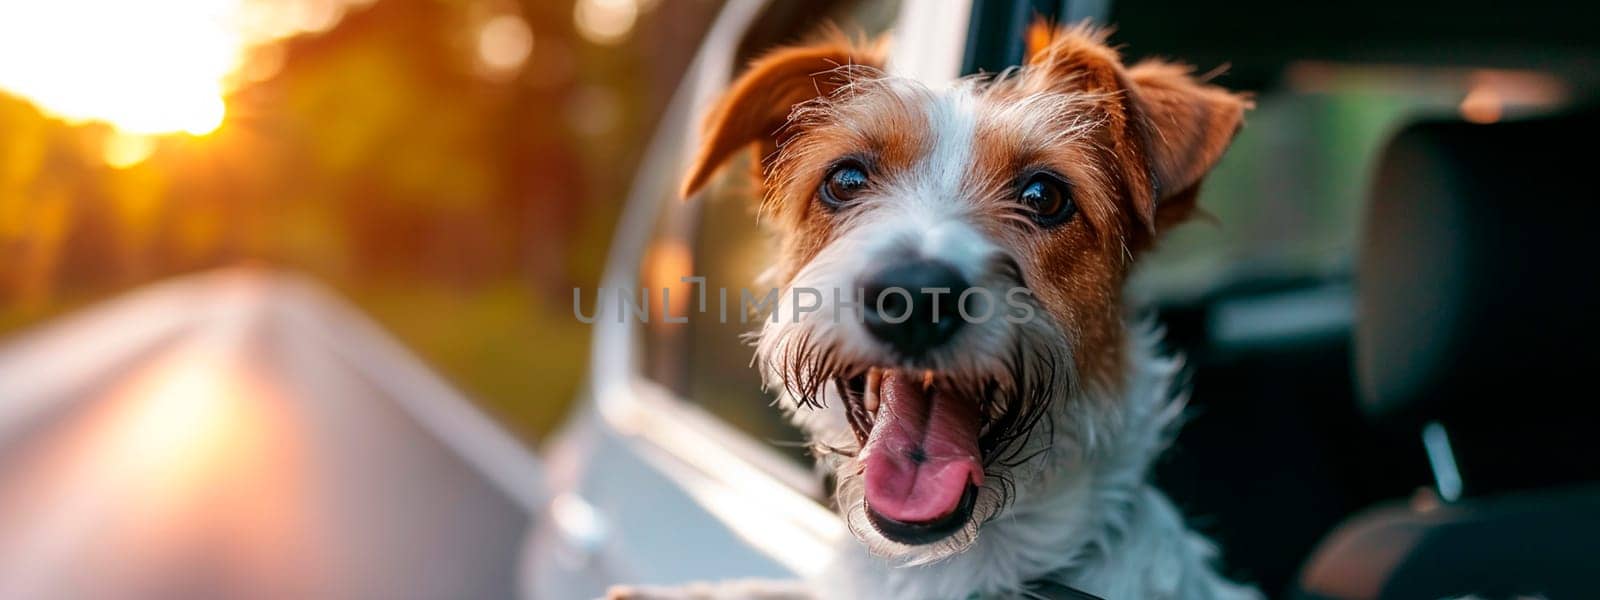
[
  {"x": 758, "y": 104},
  {"x": 1071, "y": 58},
  {"x": 1184, "y": 125},
  {"x": 1167, "y": 128}
]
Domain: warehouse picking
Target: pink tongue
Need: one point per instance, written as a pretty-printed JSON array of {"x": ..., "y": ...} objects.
[{"x": 922, "y": 452}]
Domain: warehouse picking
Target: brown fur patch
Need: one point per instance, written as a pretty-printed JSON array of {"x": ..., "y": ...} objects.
[
  {"x": 758, "y": 104},
  {"x": 1158, "y": 131},
  {"x": 867, "y": 120}
]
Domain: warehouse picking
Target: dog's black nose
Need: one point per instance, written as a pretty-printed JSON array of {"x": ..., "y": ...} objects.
[{"x": 912, "y": 306}]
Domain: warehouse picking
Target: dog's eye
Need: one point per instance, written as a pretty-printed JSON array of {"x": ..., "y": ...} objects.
[
  {"x": 1049, "y": 197},
  {"x": 843, "y": 184}
]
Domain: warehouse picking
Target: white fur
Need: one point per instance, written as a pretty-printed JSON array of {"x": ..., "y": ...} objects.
[{"x": 1101, "y": 527}]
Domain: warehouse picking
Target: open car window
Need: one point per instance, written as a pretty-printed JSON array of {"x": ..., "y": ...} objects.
[{"x": 705, "y": 359}]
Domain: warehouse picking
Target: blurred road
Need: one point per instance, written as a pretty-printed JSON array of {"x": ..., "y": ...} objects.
[{"x": 241, "y": 435}]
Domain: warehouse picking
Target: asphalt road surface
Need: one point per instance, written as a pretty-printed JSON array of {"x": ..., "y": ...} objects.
[{"x": 242, "y": 435}]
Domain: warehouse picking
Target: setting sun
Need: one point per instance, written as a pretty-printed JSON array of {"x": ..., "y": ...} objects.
[{"x": 144, "y": 68}]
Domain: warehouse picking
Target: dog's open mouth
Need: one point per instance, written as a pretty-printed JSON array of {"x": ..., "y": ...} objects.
[{"x": 922, "y": 458}]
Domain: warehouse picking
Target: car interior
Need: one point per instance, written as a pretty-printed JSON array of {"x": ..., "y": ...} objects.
[
  {"x": 1385, "y": 319},
  {"x": 1472, "y": 334}
]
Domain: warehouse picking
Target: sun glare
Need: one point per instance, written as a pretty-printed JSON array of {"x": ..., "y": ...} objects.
[
  {"x": 123, "y": 150},
  {"x": 504, "y": 43},
  {"x": 605, "y": 22},
  {"x": 146, "y": 68}
]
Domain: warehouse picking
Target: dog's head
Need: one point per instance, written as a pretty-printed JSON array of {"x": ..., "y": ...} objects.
[{"x": 964, "y": 250}]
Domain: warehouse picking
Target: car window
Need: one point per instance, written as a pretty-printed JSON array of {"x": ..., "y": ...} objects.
[{"x": 707, "y": 360}]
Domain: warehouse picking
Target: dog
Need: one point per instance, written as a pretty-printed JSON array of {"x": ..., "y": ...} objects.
[{"x": 998, "y": 456}]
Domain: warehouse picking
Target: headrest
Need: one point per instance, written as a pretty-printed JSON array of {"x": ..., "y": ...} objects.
[{"x": 1478, "y": 295}]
